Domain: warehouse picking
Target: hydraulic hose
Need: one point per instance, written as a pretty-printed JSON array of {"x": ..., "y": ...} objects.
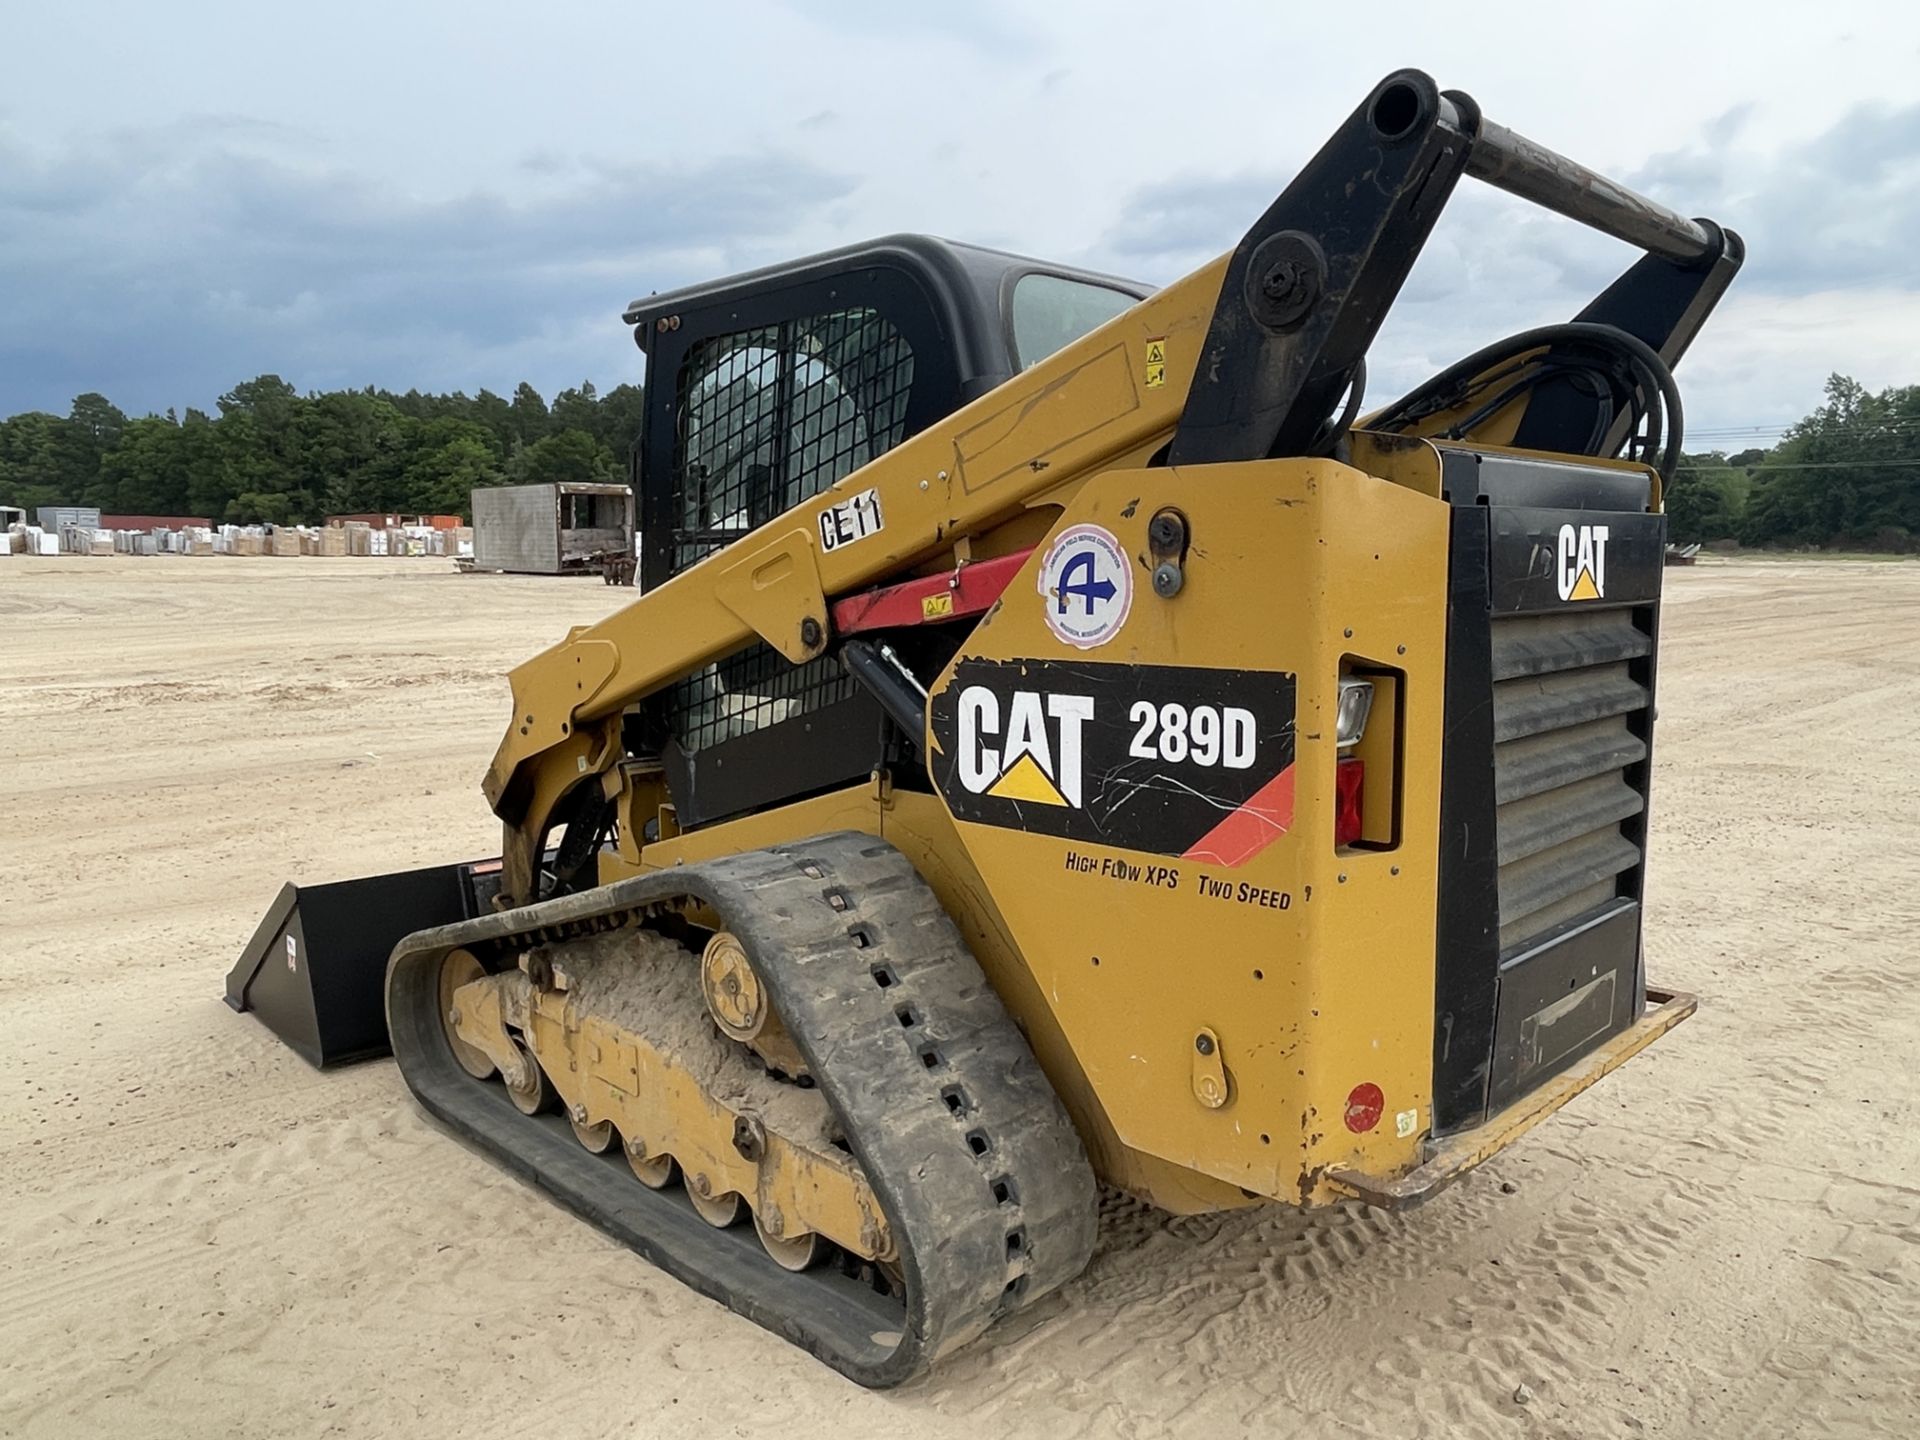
[{"x": 1449, "y": 387}]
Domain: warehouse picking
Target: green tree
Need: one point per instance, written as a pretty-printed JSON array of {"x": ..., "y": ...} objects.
[
  {"x": 496, "y": 414},
  {"x": 256, "y": 424},
  {"x": 613, "y": 419},
  {"x": 272, "y": 454},
  {"x": 450, "y": 459},
  {"x": 98, "y": 420},
  {"x": 1847, "y": 474},
  {"x": 577, "y": 409},
  {"x": 570, "y": 457},
  {"x": 267, "y": 398},
  {"x": 199, "y": 445},
  {"x": 530, "y": 419},
  {"x": 94, "y": 426},
  {"x": 350, "y": 449},
  {"x": 1706, "y": 499},
  {"x": 275, "y": 508},
  {"x": 49, "y": 460},
  {"x": 30, "y": 463},
  {"x": 244, "y": 463},
  {"x": 145, "y": 473},
  {"x": 620, "y": 412}
]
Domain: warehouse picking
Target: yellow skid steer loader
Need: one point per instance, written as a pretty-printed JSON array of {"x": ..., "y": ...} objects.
[{"x": 1062, "y": 739}]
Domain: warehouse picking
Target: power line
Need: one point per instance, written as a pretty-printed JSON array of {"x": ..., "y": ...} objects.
[
  {"x": 1708, "y": 440},
  {"x": 1898, "y": 422},
  {"x": 1887, "y": 420},
  {"x": 1812, "y": 465}
]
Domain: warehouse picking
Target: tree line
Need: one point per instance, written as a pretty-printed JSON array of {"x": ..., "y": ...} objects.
[
  {"x": 1846, "y": 476},
  {"x": 273, "y": 455}
]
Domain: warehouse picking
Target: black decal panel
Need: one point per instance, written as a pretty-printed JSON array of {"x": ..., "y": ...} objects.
[
  {"x": 1155, "y": 758},
  {"x": 1547, "y": 560}
]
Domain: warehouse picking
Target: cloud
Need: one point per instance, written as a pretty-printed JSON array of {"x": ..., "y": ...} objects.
[
  {"x": 161, "y": 267},
  {"x": 459, "y": 223},
  {"x": 1723, "y": 129},
  {"x": 1836, "y": 210},
  {"x": 1830, "y": 282},
  {"x": 1168, "y": 228}
]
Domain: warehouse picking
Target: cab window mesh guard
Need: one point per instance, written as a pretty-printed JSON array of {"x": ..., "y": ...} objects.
[
  {"x": 770, "y": 417},
  {"x": 765, "y": 419}
]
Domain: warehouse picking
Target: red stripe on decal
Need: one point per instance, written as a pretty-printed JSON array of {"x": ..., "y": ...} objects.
[{"x": 1263, "y": 818}]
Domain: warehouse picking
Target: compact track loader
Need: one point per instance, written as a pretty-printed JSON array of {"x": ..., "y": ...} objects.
[{"x": 1059, "y": 742}]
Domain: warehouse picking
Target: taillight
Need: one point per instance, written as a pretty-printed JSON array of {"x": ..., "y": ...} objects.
[{"x": 1349, "y": 780}]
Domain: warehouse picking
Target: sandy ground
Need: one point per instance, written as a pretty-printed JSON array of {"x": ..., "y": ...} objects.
[{"x": 201, "y": 1236}]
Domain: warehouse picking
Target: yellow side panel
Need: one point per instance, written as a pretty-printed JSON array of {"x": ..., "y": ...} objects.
[
  {"x": 919, "y": 826},
  {"x": 1142, "y": 922}
]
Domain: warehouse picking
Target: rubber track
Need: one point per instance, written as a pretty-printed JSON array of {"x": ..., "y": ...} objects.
[{"x": 975, "y": 1163}]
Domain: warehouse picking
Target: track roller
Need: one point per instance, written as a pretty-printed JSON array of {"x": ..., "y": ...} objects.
[
  {"x": 656, "y": 1172},
  {"x": 527, "y": 1085},
  {"x": 456, "y": 970},
  {"x": 718, "y": 1210},
  {"x": 792, "y": 1252},
  {"x": 597, "y": 1137}
]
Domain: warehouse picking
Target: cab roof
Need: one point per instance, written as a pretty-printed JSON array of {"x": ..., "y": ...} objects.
[{"x": 970, "y": 277}]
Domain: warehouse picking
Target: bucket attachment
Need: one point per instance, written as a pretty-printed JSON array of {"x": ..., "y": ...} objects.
[{"x": 315, "y": 971}]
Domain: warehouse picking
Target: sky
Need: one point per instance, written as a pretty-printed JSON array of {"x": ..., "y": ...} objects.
[{"x": 456, "y": 194}]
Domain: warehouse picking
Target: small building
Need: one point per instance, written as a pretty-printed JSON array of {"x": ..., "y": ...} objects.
[
  {"x": 551, "y": 529},
  {"x": 61, "y": 517}
]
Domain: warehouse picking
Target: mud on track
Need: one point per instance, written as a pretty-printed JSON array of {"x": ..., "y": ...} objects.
[{"x": 203, "y": 1236}]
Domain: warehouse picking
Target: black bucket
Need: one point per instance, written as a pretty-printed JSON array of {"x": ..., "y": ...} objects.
[{"x": 315, "y": 971}]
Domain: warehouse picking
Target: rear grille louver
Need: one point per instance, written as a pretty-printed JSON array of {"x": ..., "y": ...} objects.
[{"x": 1569, "y": 717}]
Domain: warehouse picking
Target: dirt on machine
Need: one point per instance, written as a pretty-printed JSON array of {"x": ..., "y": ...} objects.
[{"x": 1065, "y": 737}]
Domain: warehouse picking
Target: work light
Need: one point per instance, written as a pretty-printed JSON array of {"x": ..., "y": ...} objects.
[{"x": 1356, "y": 701}]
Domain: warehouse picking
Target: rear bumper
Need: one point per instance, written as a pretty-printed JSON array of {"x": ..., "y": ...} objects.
[{"x": 1447, "y": 1160}]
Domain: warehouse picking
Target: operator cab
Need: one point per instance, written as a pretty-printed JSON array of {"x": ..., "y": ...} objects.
[{"x": 763, "y": 390}]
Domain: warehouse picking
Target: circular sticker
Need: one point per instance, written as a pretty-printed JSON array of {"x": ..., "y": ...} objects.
[{"x": 1086, "y": 586}]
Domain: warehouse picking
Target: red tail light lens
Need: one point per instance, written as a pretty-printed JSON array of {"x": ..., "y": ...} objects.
[{"x": 1349, "y": 780}]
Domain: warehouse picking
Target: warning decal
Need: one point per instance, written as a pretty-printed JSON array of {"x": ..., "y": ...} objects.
[
  {"x": 1156, "y": 363},
  {"x": 1156, "y": 758}
]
